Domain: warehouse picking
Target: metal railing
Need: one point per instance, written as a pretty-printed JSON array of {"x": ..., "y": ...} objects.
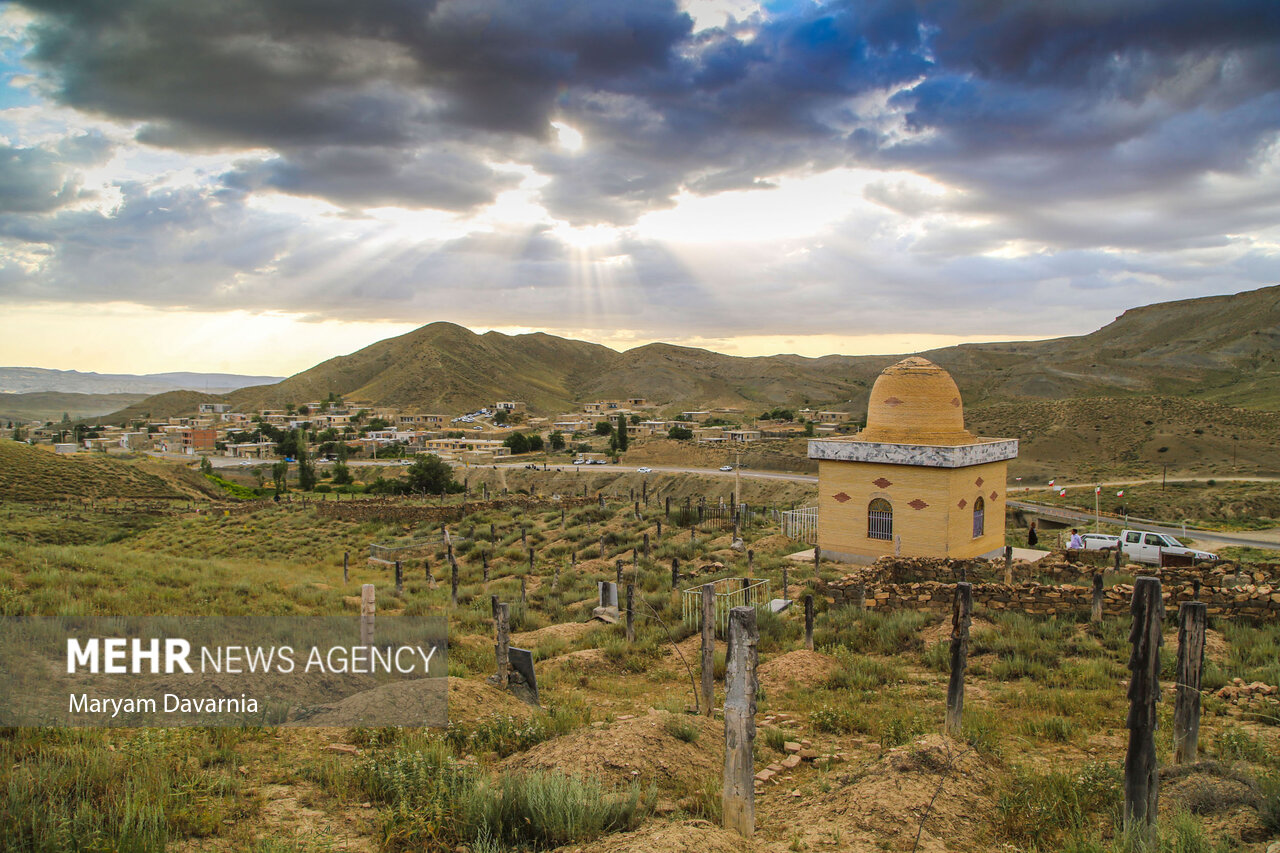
[
  {"x": 729, "y": 593},
  {"x": 800, "y": 524}
]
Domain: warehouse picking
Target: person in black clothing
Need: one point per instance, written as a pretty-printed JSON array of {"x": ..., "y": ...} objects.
[{"x": 1032, "y": 537}]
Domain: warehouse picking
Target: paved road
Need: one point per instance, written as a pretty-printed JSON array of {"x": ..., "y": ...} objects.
[
  {"x": 665, "y": 469},
  {"x": 1253, "y": 540}
]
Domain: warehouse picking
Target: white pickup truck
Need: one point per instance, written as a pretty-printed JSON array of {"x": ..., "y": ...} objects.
[{"x": 1142, "y": 547}]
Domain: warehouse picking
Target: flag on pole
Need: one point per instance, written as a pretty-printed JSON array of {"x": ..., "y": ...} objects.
[
  {"x": 1097, "y": 490},
  {"x": 1052, "y": 481},
  {"x": 1120, "y": 493},
  {"x": 1062, "y": 494}
]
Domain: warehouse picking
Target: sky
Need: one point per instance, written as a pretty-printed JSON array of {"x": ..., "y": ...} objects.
[{"x": 257, "y": 185}]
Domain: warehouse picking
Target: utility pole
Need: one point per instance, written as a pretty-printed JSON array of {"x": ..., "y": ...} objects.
[{"x": 737, "y": 480}]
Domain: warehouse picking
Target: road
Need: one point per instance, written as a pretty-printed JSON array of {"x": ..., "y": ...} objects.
[{"x": 1248, "y": 540}]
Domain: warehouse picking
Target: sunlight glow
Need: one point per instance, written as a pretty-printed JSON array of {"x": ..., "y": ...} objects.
[{"x": 569, "y": 138}]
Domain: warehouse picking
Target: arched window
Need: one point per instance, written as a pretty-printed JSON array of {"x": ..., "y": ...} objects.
[
  {"x": 880, "y": 519},
  {"x": 979, "y": 522}
]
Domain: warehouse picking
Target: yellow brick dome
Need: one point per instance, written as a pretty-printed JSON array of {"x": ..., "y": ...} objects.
[{"x": 915, "y": 402}]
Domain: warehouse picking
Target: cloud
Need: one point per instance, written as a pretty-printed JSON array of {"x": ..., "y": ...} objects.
[{"x": 43, "y": 178}]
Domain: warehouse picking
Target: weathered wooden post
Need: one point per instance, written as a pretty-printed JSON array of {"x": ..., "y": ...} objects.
[
  {"x": 708, "y": 647},
  {"x": 399, "y": 579},
  {"x": 1186, "y": 708},
  {"x": 618, "y": 566},
  {"x": 503, "y": 624},
  {"x": 637, "y": 510},
  {"x": 484, "y": 562},
  {"x": 523, "y": 589},
  {"x": 808, "y": 622},
  {"x": 646, "y": 547},
  {"x": 961, "y": 608},
  {"x": 1117, "y": 557},
  {"x": 659, "y": 531},
  {"x": 600, "y": 495},
  {"x": 631, "y": 622},
  {"x": 738, "y": 801},
  {"x": 751, "y": 562},
  {"x": 493, "y": 532},
  {"x": 346, "y": 567},
  {"x": 367, "y": 607},
  {"x": 602, "y": 546},
  {"x": 817, "y": 558},
  {"x": 785, "y": 585},
  {"x": 484, "y": 491},
  {"x": 493, "y": 608},
  {"x": 1008, "y": 565},
  {"x": 1141, "y": 777},
  {"x": 675, "y": 572},
  {"x": 562, "y": 518},
  {"x": 530, "y": 561},
  {"x": 426, "y": 570},
  {"x": 555, "y": 578},
  {"x": 573, "y": 557},
  {"x": 453, "y": 578},
  {"x": 1095, "y": 612},
  {"x": 524, "y": 537},
  {"x": 668, "y": 510}
]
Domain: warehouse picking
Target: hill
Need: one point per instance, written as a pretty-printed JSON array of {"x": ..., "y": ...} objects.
[
  {"x": 1221, "y": 348},
  {"x": 52, "y": 405},
  {"x": 34, "y": 473},
  {"x": 23, "y": 380},
  {"x": 159, "y": 407}
]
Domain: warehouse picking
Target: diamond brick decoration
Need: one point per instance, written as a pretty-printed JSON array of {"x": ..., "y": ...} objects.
[
  {"x": 917, "y": 504},
  {"x": 881, "y": 482},
  {"x": 893, "y": 401},
  {"x": 841, "y": 497},
  {"x": 963, "y": 503},
  {"x": 995, "y": 495},
  {"x": 978, "y": 482}
]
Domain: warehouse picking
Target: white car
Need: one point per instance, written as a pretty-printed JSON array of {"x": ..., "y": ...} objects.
[
  {"x": 726, "y": 467},
  {"x": 644, "y": 470},
  {"x": 579, "y": 462}
]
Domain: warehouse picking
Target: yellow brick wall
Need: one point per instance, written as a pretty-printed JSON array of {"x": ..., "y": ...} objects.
[{"x": 939, "y": 529}]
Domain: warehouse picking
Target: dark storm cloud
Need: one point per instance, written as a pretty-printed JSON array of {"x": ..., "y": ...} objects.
[{"x": 43, "y": 178}]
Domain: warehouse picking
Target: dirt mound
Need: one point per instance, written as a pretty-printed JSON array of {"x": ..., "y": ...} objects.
[
  {"x": 1215, "y": 645},
  {"x": 401, "y": 703},
  {"x": 690, "y": 836},
  {"x": 567, "y": 631},
  {"x": 777, "y": 543},
  {"x": 882, "y": 806},
  {"x": 942, "y": 631},
  {"x": 470, "y": 701},
  {"x": 800, "y": 668},
  {"x": 646, "y": 748},
  {"x": 581, "y": 662}
]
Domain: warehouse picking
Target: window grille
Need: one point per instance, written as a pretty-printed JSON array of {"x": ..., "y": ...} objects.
[
  {"x": 880, "y": 519},
  {"x": 979, "y": 521}
]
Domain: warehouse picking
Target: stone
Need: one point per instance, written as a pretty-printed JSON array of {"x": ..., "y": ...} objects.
[
  {"x": 342, "y": 749},
  {"x": 764, "y": 775},
  {"x": 791, "y": 762},
  {"x": 778, "y": 605},
  {"x": 791, "y": 746}
]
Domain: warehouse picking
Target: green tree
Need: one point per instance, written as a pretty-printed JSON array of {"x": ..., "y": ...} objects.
[
  {"x": 500, "y": 417},
  {"x": 341, "y": 473},
  {"x": 535, "y": 443},
  {"x": 429, "y": 475},
  {"x": 291, "y": 444},
  {"x": 680, "y": 433},
  {"x": 808, "y": 428},
  {"x": 622, "y": 432},
  {"x": 557, "y": 440},
  {"x": 206, "y": 467},
  {"x": 518, "y": 443},
  {"x": 604, "y": 428},
  {"x": 306, "y": 472},
  {"x": 280, "y": 475},
  {"x": 635, "y": 419}
]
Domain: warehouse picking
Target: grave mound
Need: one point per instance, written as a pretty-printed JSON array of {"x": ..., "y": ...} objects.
[{"x": 795, "y": 669}]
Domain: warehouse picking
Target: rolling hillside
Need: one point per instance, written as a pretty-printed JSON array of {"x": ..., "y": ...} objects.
[
  {"x": 1221, "y": 349},
  {"x": 35, "y": 473},
  {"x": 52, "y": 405}
]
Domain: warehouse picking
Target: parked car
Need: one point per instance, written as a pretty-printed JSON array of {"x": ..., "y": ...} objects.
[
  {"x": 1140, "y": 546},
  {"x": 579, "y": 462},
  {"x": 644, "y": 470},
  {"x": 726, "y": 467}
]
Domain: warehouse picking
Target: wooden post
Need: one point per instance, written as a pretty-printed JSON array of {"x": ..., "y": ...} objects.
[
  {"x": 668, "y": 511},
  {"x": 453, "y": 577},
  {"x": 367, "y": 608},
  {"x": 637, "y": 510},
  {"x": 961, "y": 608},
  {"x": 659, "y": 531},
  {"x": 1141, "y": 777},
  {"x": 1095, "y": 612},
  {"x": 675, "y": 572},
  {"x": 618, "y": 565},
  {"x": 1008, "y": 565},
  {"x": 1118, "y": 555},
  {"x": 523, "y": 589},
  {"x": 751, "y": 563},
  {"x": 646, "y": 547},
  {"x": 785, "y": 585},
  {"x": 484, "y": 561},
  {"x": 524, "y": 537},
  {"x": 708, "y": 647},
  {"x": 631, "y": 622},
  {"x": 600, "y": 495},
  {"x": 738, "y": 800},
  {"x": 503, "y": 624},
  {"x": 808, "y": 622},
  {"x": 602, "y": 546},
  {"x": 555, "y": 579},
  {"x": 530, "y": 561},
  {"x": 1186, "y": 708},
  {"x": 493, "y": 532},
  {"x": 346, "y": 566},
  {"x": 817, "y": 558}
]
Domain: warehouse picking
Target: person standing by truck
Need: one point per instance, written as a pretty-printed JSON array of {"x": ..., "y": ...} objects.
[{"x": 1076, "y": 543}]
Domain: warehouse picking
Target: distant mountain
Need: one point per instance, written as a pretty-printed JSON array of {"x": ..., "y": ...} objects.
[
  {"x": 25, "y": 380},
  {"x": 52, "y": 405},
  {"x": 1220, "y": 349}
]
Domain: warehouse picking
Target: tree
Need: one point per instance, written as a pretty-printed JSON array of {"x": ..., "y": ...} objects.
[
  {"x": 680, "y": 433},
  {"x": 517, "y": 442},
  {"x": 500, "y": 417},
  {"x": 535, "y": 443},
  {"x": 429, "y": 475},
  {"x": 622, "y": 432},
  {"x": 604, "y": 428},
  {"x": 280, "y": 475},
  {"x": 66, "y": 418},
  {"x": 341, "y": 473},
  {"x": 808, "y": 428},
  {"x": 557, "y": 440},
  {"x": 206, "y": 467},
  {"x": 635, "y": 419},
  {"x": 306, "y": 472},
  {"x": 291, "y": 444}
]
